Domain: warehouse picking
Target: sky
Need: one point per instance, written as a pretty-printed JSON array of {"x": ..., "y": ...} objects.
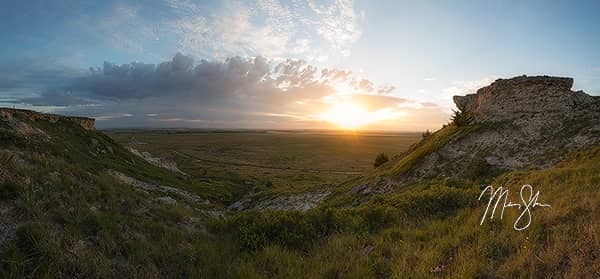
[{"x": 270, "y": 64}]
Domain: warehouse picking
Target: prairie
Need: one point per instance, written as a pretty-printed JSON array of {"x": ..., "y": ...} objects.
[
  {"x": 268, "y": 162},
  {"x": 103, "y": 227}
]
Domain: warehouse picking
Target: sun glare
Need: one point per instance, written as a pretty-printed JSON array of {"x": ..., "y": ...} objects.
[{"x": 353, "y": 116}]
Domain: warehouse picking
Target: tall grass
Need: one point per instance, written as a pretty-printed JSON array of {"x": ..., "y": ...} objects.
[{"x": 78, "y": 221}]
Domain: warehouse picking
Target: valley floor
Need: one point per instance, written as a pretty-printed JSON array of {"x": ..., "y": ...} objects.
[{"x": 268, "y": 163}]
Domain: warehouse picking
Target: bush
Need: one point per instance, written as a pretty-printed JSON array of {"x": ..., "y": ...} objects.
[
  {"x": 377, "y": 217},
  {"x": 438, "y": 201},
  {"x": 479, "y": 170},
  {"x": 254, "y": 230},
  {"x": 380, "y": 159},
  {"x": 292, "y": 229}
]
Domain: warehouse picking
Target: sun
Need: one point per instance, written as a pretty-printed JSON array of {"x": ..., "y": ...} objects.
[{"x": 352, "y": 116}]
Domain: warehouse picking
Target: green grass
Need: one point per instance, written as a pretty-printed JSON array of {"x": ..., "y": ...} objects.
[
  {"x": 75, "y": 220},
  {"x": 93, "y": 151},
  {"x": 424, "y": 227},
  {"x": 76, "y": 223},
  {"x": 273, "y": 162},
  {"x": 429, "y": 145}
]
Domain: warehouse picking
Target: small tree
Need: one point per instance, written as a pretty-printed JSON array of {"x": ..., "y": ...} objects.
[
  {"x": 461, "y": 117},
  {"x": 426, "y": 134},
  {"x": 380, "y": 159}
]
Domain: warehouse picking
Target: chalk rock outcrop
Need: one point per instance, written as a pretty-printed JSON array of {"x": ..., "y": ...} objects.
[
  {"x": 515, "y": 123},
  {"x": 9, "y": 113},
  {"x": 524, "y": 96}
]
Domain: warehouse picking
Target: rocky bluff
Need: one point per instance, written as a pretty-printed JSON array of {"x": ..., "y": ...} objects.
[
  {"x": 524, "y": 96},
  {"x": 516, "y": 123},
  {"x": 8, "y": 113}
]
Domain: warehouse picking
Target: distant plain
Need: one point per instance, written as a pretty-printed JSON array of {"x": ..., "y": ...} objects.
[{"x": 268, "y": 162}]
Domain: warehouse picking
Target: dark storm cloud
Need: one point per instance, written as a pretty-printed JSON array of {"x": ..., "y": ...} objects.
[
  {"x": 182, "y": 89},
  {"x": 235, "y": 81},
  {"x": 176, "y": 77},
  {"x": 236, "y": 77}
]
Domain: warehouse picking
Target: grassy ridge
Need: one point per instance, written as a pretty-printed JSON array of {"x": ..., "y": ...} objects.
[
  {"x": 95, "y": 152},
  {"x": 424, "y": 227}
]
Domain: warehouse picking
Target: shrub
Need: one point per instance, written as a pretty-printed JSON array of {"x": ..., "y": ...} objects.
[
  {"x": 480, "y": 171},
  {"x": 255, "y": 230},
  {"x": 438, "y": 201},
  {"x": 377, "y": 217},
  {"x": 380, "y": 159}
]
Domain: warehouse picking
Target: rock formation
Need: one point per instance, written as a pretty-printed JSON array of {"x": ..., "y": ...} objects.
[
  {"x": 515, "y": 123},
  {"x": 8, "y": 113},
  {"x": 524, "y": 96}
]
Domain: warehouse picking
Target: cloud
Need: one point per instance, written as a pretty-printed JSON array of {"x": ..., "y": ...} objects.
[
  {"x": 112, "y": 116},
  {"x": 336, "y": 74},
  {"x": 57, "y": 97},
  {"x": 235, "y": 92},
  {"x": 235, "y": 79},
  {"x": 337, "y": 24},
  {"x": 34, "y": 72},
  {"x": 266, "y": 27},
  {"x": 429, "y": 104},
  {"x": 220, "y": 29},
  {"x": 27, "y": 78},
  {"x": 123, "y": 27},
  {"x": 179, "y": 77}
]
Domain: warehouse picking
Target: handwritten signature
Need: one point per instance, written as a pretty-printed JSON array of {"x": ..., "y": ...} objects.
[{"x": 524, "y": 220}]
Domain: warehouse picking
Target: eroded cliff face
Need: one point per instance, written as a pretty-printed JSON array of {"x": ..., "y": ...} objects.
[
  {"x": 524, "y": 97},
  {"x": 522, "y": 122},
  {"x": 8, "y": 113}
]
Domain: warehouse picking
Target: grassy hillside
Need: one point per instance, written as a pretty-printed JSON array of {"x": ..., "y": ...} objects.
[
  {"x": 93, "y": 151},
  {"x": 65, "y": 215},
  {"x": 406, "y": 234}
]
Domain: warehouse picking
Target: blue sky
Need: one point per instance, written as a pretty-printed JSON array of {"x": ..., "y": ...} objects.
[{"x": 399, "y": 61}]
